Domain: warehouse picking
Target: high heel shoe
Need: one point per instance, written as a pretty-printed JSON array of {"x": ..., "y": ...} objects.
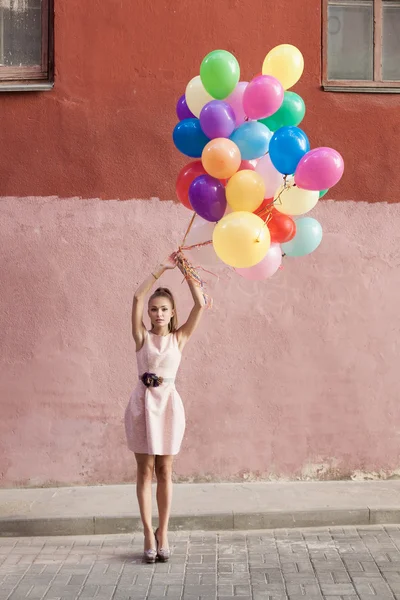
[
  {"x": 163, "y": 554},
  {"x": 149, "y": 556}
]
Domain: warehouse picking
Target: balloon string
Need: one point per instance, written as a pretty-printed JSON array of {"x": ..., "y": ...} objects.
[
  {"x": 196, "y": 245},
  {"x": 189, "y": 271},
  {"x": 269, "y": 208},
  {"x": 190, "y": 274},
  {"x": 188, "y": 229}
]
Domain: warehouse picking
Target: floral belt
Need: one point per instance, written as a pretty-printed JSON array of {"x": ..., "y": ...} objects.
[{"x": 152, "y": 380}]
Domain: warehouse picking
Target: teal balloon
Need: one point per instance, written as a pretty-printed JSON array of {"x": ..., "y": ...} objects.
[
  {"x": 307, "y": 239},
  {"x": 322, "y": 193},
  {"x": 290, "y": 114}
]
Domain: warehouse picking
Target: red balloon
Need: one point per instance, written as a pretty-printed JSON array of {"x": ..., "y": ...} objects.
[
  {"x": 186, "y": 176},
  {"x": 281, "y": 227},
  {"x": 261, "y": 210},
  {"x": 246, "y": 165}
]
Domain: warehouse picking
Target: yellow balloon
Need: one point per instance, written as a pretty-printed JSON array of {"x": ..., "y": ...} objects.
[
  {"x": 285, "y": 63},
  {"x": 245, "y": 191},
  {"x": 196, "y": 96},
  {"x": 292, "y": 200},
  {"x": 241, "y": 239}
]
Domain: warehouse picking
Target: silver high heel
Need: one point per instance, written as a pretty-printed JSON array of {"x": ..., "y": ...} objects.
[
  {"x": 149, "y": 556},
  {"x": 163, "y": 554}
]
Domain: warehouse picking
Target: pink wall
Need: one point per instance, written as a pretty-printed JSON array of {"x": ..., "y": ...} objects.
[{"x": 295, "y": 377}]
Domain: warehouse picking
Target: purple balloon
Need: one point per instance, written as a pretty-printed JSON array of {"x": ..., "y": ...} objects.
[
  {"x": 207, "y": 197},
  {"x": 217, "y": 119},
  {"x": 182, "y": 109}
]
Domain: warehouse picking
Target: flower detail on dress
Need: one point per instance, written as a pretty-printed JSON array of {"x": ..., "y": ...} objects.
[{"x": 151, "y": 380}]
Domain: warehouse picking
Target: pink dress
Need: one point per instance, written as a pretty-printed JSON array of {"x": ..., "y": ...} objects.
[{"x": 155, "y": 417}]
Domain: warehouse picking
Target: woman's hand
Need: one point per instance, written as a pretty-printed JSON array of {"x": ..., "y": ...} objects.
[{"x": 170, "y": 262}]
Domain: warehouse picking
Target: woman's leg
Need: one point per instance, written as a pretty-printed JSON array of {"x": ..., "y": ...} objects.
[
  {"x": 164, "y": 496},
  {"x": 145, "y": 469}
]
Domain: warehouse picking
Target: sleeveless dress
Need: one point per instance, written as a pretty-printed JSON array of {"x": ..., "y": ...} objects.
[{"x": 155, "y": 417}]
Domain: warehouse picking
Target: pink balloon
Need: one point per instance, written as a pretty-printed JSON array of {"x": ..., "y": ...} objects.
[
  {"x": 263, "y": 97},
  {"x": 272, "y": 178},
  {"x": 319, "y": 169},
  {"x": 236, "y": 102},
  {"x": 266, "y": 268}
]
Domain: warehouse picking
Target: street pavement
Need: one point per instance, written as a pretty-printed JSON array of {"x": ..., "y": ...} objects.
[{"x": 332, "y": 563}]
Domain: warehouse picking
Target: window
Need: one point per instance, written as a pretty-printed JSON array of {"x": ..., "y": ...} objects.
[
  {"x": 361, "y": 45},
  {"x": 26, "y": 45}
]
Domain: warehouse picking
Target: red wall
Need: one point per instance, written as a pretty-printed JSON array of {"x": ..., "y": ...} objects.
[{"x": 105, "y": 129}]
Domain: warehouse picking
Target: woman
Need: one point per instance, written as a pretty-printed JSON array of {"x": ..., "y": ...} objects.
[{"x": 155, "y": 417}]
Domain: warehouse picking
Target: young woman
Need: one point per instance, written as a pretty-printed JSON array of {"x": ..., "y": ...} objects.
[{"x": 155, "y": 417}]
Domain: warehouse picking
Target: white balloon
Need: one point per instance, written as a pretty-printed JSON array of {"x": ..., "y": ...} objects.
[
  {"x": 272, "y": 178},
  {"x": 196, "y": 95},
  {"x": 292, "y": 200},
  {"x": 202, "y": 231}
]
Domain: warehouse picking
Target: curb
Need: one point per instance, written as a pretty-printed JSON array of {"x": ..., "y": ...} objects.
[{"x": 324, "y": 517}]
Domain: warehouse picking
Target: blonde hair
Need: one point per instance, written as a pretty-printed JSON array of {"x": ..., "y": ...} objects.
[{"x": 163, "y": 292}]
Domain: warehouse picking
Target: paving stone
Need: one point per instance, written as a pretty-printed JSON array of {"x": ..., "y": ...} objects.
[{"x": 299, "y": 564}]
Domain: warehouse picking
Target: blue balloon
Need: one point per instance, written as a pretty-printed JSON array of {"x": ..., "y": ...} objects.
[
  {"x": 189, "y": 138},
  {"x": 252, "y": 139},
  {"x": 307, "y": 239},
  {"x": 287, "y": 147}
]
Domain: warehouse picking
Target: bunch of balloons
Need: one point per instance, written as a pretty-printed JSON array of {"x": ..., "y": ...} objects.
[{"x": 255, "y": 175}]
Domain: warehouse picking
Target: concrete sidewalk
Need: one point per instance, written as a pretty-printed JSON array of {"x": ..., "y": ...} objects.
[{"x": 224, "y": 506}]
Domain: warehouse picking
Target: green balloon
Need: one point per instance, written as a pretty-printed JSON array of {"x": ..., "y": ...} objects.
[
  {"x": 219, "y": 73},
  {"x": 291, "y": 113},
  {"x": 323, "y": 192}
]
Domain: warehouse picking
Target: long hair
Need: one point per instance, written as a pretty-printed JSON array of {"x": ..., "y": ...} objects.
[{"x": 163, "y": 292}]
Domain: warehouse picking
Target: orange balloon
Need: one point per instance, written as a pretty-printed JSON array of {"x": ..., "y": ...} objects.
[{"x": 221, "y": 158}]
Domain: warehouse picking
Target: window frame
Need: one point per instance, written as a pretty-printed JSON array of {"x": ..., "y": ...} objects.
[
  {"x": 349, "y": 85},
  {"x": 37, "y": 77}
]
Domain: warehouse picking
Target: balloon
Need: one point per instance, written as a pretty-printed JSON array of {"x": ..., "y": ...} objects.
[
  {"x": 245, "y": 191},
  {"x": 201, "y": 232},
  {"x": 323, "y": 193},
  {"x": 182, "y": 109},
  {"x": 272, "y": 178},
  {"x": 287, "y": 147},
  {"x": 291, "y": 113},
  {"x": 196, "y": 96},
  {"x": 207, "y": 197},
  {"x": 252, "y": 139},
  {"x": 281, "y": 227},
  {"x": 219, "y": 73},
  {"x": 186, "y": 175},
  {"x": 241, "y": 239},
  {"x": 307, "y": 239},
  {"x": 319, "y": 169},
  {"x": 292, "y": 200},
  {"x": 246, "y": 165},
  {"x": 286, "y": 63},
  {"x": 217, "y": 119},
  {"x": 262, "y": 97},
  {"x": 189, "y": 138},
  {"x": 264, "y": 208},
  {"x": 266, "y": 268},
  {"x": 221, "y": 158},
  {"x": 235, "y": 100}
]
